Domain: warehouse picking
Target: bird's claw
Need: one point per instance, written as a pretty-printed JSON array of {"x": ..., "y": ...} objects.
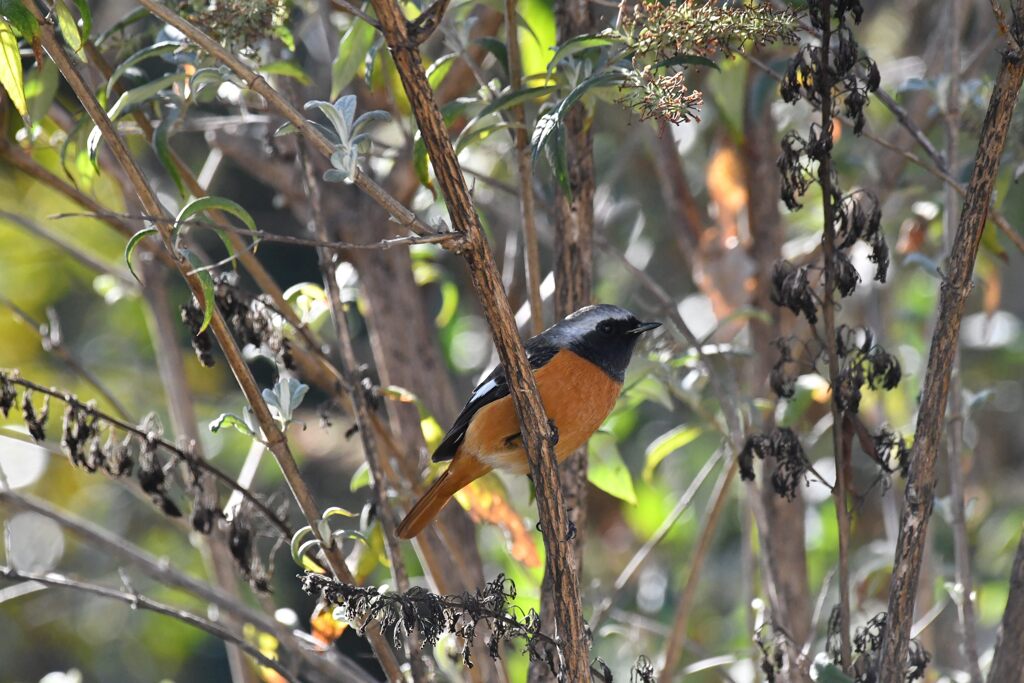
[{"x": 554, "y": 432}]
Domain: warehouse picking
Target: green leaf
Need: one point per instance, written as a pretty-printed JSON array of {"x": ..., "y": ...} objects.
[
  {"x": 11, "y": 76},
  {"x": 83, "y": 9},
  {"x": 830, "y": 673},
  {"x": 20, "y": 19},
  {"x": 581, "y": 43},
  {"x": 206, "y": 283},
  {"x": 667, "y": 444},
  {"x": 496, "y": 48},
  {"x": 421, "y": 161},
  {"x": 228, "y": 420},
  {"x": 133, "y": 242},
  {"x": 352, "y": 49},
  {"x": 137, "y": 14},
  {"x": 161, "y": 144},
  {"x": 40, "y": 88},
  {"x": 297, "y": 541},
  {"x": 155, "y": 50},
  {"x": 68, "y": 26},
  {"x": 335, "y": 511},
  {"x": 287, "y": 68},
  {"x": 650, "y": 389},
  {"x": 606, "y": 469},
  {"x": 598, "y": 80},
  {"x": 360, "y": 478},
  {"x": 440, "y": 68},
  {"x": 211, "y": 203},
  {"x": 128, "y": 99},
  {"x": 506, "y": 100}
]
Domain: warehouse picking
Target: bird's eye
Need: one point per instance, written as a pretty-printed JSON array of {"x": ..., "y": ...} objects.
[{"x": 604, "y": 327}]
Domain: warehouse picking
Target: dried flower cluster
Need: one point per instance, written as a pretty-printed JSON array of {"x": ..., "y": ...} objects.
[
  {"x": 781, "y": 447},
  {"x": 867, "y": 640},
  {"x": 252, "y": 320},
  {"x": 666, "y": 37},
  {"x": 434, "y": 616},
  {"x": 94, "y": 441},
  {"x": 239, "y": 24}
]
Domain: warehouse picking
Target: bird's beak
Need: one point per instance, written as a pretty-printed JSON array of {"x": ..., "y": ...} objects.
[{"x": 644, "y": 327}]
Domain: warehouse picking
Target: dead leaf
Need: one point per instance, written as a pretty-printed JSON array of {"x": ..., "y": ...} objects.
[
  {"x": 323, "y": 626},
  {"x": 486, "y": 501},
  {"x": 912, "y": 234},
  {"x": 727, "y": 187}
]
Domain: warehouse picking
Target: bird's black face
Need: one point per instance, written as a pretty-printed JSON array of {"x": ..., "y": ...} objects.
[{"x": 605, "y": 335}]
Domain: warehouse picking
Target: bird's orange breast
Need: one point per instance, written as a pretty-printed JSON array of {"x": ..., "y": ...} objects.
[{"x": 577, "y": 396}]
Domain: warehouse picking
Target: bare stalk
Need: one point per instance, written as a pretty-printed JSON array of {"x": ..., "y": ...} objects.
[
  {"x": 956, "y": 286},
  {"x": 955, "y": 427}
]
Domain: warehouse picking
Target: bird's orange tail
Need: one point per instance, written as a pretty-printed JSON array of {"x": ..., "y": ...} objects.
[{"x": 438, "y": 495}]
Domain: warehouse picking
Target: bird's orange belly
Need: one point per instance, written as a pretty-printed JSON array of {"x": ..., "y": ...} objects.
[{"x": 577, "y": 396}]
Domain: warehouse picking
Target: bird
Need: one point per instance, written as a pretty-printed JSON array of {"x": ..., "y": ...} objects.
[{"x": 579, "y": 364}]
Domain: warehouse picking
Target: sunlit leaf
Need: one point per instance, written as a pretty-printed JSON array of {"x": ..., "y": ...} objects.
[
  {"x": 23, "y": 21},
  {"x": 352, "y": 50},
  {"x": 11, "y": 76},
  {"x": 68, "y": 26},
  {"x": 607, "y": 471},
  {"x": 133, "y": 242},
  {"x": 228, "y": 420},
  {"x": 578, "y": 44},
  {"x": 287, "y": 68},
  {"x": 667, "y": 444},
  {"x": 360, "y": 478}
]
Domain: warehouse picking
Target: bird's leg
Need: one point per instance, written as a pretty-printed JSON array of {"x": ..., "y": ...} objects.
[
  {"x": 570, "y": 533},
  {"x": 554, "y": 432}
]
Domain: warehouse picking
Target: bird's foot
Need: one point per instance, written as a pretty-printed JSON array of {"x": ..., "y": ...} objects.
[{"x": 554, "y": 432}]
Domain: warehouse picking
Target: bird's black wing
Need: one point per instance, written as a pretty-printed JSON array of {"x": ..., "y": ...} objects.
[{"x": 495, "y": 386}]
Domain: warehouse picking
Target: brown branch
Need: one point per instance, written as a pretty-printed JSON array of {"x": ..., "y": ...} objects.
[
  {"x": 828, "y": 314},
  {"x": 136, "y": 601},
  {"x": 1008, "y": 659},
  {"x": 956, "y": 287},
  {"x": 954, "y": 431},
  {"x": 276, "y": 440},
  {"x": 487, "y": 282}
]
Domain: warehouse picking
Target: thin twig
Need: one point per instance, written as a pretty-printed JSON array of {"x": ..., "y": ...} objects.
[
  {"x": 345, "y": 6},
  {"x": 136, "y": 601},
  {"x": 677, "y": 637}
]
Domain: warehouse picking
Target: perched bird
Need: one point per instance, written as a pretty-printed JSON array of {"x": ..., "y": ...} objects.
[{"x": 578, "y": 363}]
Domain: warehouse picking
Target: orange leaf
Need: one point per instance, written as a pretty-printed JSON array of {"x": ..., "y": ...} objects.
[
  {"x": 486, "y": 501},
  {"x": 324, "y": 627},
  {"x": 727, "y": 188},
  {"x": 912, "y": 234}
]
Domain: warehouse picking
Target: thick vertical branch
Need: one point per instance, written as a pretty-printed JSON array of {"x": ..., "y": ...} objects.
[
  {"x": 955, "y": 429},
  {"x": 537, "y": 435},
  {"x": 956, "y": 286},
  {"x": 1008, "y": 659},
  {"x": 574, "y": 277}
]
